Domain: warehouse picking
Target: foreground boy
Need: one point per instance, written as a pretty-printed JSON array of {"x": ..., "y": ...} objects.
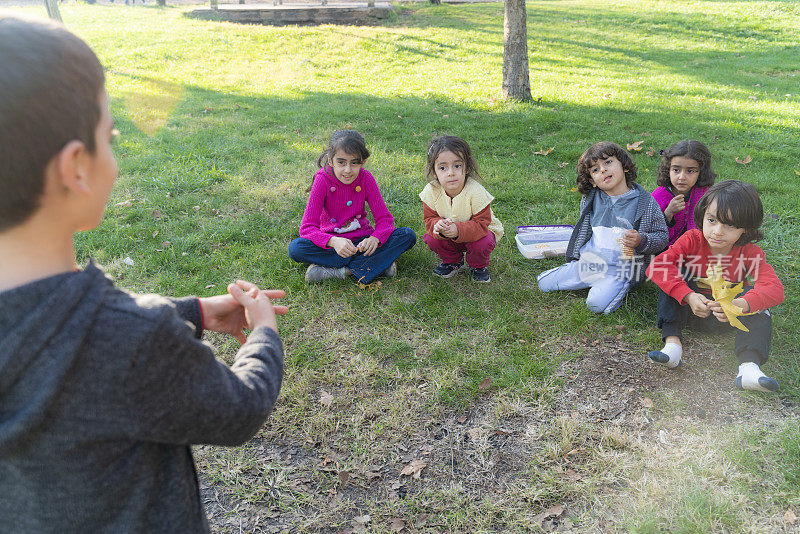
[{"x": 101, "y": 391}]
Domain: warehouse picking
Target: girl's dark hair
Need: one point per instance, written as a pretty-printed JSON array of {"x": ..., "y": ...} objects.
[
  {"x": 738, "y": 205},
  {"x": 688, "y": 149},
  {"x": 456, "y": 145},
  {"x": 349, "y": 142},
  {"x": 603, "y": 149}
]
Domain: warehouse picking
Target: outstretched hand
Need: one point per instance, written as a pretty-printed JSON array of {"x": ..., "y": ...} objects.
[{"x": 245, "y": 306}]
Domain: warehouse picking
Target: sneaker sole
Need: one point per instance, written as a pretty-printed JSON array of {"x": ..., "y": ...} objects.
[{"x": 450, "y": 274}]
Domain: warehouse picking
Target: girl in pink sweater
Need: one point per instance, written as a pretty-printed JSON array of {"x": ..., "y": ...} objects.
[
  {"x": 685, "y": 174},
  {"x": 337, "y": 239}
]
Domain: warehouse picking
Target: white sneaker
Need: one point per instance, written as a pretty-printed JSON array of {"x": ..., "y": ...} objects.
[{"x": 391, "y": 272}]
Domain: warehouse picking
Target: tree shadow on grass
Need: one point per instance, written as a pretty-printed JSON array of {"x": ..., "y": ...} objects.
[{"x": 616, "y": 38}]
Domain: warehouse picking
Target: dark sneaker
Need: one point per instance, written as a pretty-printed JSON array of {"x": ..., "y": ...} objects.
[
  {"x": 446, "y": 270},
  {"x": 317, "y": 273},
  {"x": 481, "y": 274}
]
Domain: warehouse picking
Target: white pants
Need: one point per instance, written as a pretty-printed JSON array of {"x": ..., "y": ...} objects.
[{"x": 605, "y": 294}]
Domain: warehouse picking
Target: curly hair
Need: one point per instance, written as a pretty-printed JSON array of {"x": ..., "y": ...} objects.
[
  {"x": 738, "y": 205},
  {"x": 689, "y": 149},
  {"x": 603, "y": 149},
  {"x": 456, "y": 145}
]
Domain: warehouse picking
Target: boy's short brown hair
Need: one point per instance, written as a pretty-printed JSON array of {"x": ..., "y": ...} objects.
[{"x": 50, "y": 83}]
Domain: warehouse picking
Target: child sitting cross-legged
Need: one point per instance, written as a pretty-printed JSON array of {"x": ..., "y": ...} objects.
[
  {"x": 337, "y": 239},
  {"x": 719, "y": 253},
  {"x": 102, "y": 392}
]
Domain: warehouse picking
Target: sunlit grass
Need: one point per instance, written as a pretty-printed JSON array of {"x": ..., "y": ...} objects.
[{"x": 222, "y": 124}]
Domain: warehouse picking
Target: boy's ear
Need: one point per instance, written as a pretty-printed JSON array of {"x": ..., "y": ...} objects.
[{"x": 70, "y": 168}]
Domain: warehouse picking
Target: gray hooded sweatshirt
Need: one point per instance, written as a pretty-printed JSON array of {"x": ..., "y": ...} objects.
[{"x": 101, "y": 394}]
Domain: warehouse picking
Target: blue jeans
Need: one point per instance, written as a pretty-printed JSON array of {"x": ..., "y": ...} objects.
[{"x": 364, "y": 268}]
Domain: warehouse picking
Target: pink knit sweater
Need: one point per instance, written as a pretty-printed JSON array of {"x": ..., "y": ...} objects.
[{"x": 334, "y": 205}]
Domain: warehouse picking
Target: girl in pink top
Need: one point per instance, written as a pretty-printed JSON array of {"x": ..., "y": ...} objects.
[
  {"x": 685, "y": 174},
  {"x": 337, "y": 238}
]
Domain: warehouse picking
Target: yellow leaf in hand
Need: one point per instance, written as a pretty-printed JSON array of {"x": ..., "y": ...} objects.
[{"x": 732, "y": 312}]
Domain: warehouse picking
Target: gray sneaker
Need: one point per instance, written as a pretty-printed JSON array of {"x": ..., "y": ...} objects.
[
  {"x": 317, "y": 273},
  {"x": 391, "y": 272}
]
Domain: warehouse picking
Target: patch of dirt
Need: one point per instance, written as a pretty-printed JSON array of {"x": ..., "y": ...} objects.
[
  {"x": 497, "y": 447},
  {"x": 614, "y": 381}
]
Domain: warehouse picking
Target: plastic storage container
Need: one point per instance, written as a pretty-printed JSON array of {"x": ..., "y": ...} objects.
[{"x": 537, "y": 242}]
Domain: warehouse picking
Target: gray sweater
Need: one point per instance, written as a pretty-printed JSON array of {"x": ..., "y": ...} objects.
[
  {"x": 101, "y": 394},
  {"x": 648, "y": 221}
]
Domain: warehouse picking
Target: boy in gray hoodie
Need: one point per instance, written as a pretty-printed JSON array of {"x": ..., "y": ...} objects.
[{"x": 101, "y": 391}]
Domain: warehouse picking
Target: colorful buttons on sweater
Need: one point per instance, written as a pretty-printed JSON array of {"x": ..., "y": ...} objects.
[
  {"x": 358, "y": 216},
  {"x": 333, "y": 189},
  {"x": 358, "y": 189},
  {"x": 333, "y": 220},
  {"x": 349, "y": 202}
]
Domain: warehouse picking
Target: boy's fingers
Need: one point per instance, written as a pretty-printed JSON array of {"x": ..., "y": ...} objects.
[
  {"x": 236, "y": 292},
  {"x": 274, "y": 293},
  {"x": 280, "y": 310},
  {"x": 244, "y": 284},
  {"x": 240, "y": 337}
]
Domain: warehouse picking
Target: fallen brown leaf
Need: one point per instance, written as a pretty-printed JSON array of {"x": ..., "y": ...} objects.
[
  {"x": 552, "y": 512},
  {"x": 362, "y": 519},
  {"x": 372, "y": 474},
  {"x": 396, "y": 524},
  {"x": 647, "y": 402},
  {"x": 414, "y": 468},
  {"x": 462, "y": 419},
  {"x": 544, "y": 152},
  {"x": 636, "y": 147},
  {"x": 789, "y": 518},
  {"x": 344, "y": 476},
  {"x": 651, "y": 151},
  {"x": 156, "y": 214},
  {"x": 485, "y": 384},
  {"x": 744, "y": 161},
  {"x": 474, "y": 433},
  {"x": 325, "y": 398},
  {"x": 562, "y": 165}
]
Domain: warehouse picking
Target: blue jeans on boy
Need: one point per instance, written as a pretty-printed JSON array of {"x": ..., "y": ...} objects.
[{"x": 364, "y": 268}]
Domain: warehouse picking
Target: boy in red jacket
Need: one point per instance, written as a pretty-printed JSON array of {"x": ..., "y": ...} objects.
[{"x": 730, "y": 216}]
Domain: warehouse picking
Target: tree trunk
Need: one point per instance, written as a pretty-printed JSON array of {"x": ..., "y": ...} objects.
[
  {"x": 214, "y": 4},
  {"x": 162, "y": 3},
  {"x": 516, "y": 80},
  {"x": 52, "y": 10}
]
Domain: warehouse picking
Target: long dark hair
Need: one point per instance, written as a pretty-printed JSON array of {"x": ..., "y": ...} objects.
[
  {"x": 603, "y": 149},
  {"x": 689, "y": 149},
  {"x": 456, "y": 145},
  {"x": 738, "y": 205}
]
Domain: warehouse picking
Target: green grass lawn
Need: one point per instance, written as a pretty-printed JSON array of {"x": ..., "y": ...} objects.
[{"x": 221, "y": 125}]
